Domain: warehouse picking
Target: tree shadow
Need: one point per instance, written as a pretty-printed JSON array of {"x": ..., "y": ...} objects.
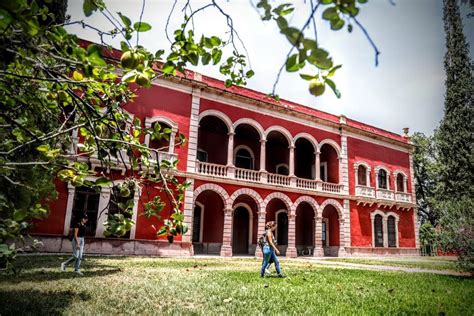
[
  {"x": 34, "y": 302},
  {"x": 41, "y": 276}
]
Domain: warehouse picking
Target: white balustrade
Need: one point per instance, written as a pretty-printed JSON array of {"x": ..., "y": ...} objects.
[
  {"x": 307, "y": 184},
  {"x": 403, "y": 197},
  {"x": 331, "y": 187},
  {"x": 211, "y": 169},
  {"x": 385, "y": 194},
  {"x": 161, "y": 155},
  {"x": 362, "y": 190},
  {"x": 278, "y": 179},
  {"x": 248, "y": 175}
]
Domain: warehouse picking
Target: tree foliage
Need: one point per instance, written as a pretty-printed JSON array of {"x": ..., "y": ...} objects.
[{"x": 62, "y": 102}]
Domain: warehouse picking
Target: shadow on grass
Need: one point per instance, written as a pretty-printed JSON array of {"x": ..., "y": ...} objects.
[
  {"x": 33, "y": 302},
  {"x": 41, "y": 276}
]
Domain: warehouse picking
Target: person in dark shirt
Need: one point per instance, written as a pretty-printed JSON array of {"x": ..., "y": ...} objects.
[{"x": 79, "y": 231}]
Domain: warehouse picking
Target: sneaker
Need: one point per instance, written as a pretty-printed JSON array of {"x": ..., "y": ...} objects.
[
  {"x": 63, "y": 267},
  {"x": 282, "y": 276},
  {"x": 267, "y": 272},
  {"x": 78, "y": 273}
]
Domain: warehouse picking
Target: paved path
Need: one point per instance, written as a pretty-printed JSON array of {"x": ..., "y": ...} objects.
[{"x": 349, "y": 265}]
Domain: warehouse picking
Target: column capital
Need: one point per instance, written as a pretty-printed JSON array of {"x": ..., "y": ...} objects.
[
  {"x": 317, "y": 152},
  {"x": 262, "y": 141},
  {"x": 291, "y": 147},
  {"x": 230, "y": 133},
  {"x": 228, "y": 211},
  {"x": 291, "y": 216}
]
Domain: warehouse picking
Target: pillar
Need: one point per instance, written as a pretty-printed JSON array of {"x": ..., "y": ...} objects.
[
  {"x": 292, "y": 161},
  {"x": 188, "y": 214},
  {"x": 318, "y": 237},
  {"x": 193, "y": 131},
  {"x": 70, "y": 205},
  {"x": 342, "y": 238},
  {"x": 291, "y": 250},
  {"x": 230, "y": 150},
  {"x": 385, "y": 231},
  {"x": 260, "y": 230},
  {"x": 318, "y": 165},
  {"x": 103, "y": 211},
  {"x": 226, "y": 249}
]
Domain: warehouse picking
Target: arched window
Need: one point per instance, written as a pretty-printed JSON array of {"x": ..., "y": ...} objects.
[
  {"x": 362, "y": 175},
  {"x": 282, "y": 169},
  {"x": 162, "y": 141},
  {"x": 391, "y": 230},
  {"x": 382, "y": 179},
  {"x": 244, "y": 158},
  {"x": 400, "y": 183},
  {"x": 378, "y": 230}
]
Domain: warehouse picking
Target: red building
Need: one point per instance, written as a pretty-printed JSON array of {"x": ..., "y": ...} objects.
[{"x": 335, "y": 186}]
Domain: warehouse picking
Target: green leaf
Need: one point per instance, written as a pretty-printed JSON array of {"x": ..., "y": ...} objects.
[
  {"x": 325, "y": 1},
  {"x": 215, "y": 41},
  {"x": 250, "y": 74},
  {"x": 103, "y": 181},
  {"x": 293, "y": 35},
  {"x": 19, "y": 215},
  {"x": 193, "y": 58},
  {"x": 206, "y": 58},
  {"x": 90, "y": 6},
  {"x": 126, "y": 21},
  {"x": 5, "y": 19},
  {"x": 168, "y": 68},
  {"x": 292, "y": 64},
  {"x": 308, "y": 77},
  {"x": 282, "y": 23},
  {"x": 216, "y": 56},
  {"x": 309, "y": 44},
  {"x": 130, "y": 76},
  {"x": 332, "y": 85},
  {"x": 337, "y": 24},
  {"x": 330, "y": 14},
  {"x": 43, "y": 148},
  {"x": 333, "y": 70},
  {"x": 141, "y": 26},
  {"x": 320, "y": 58},
  {"x": 228, "y": 83},
  {"x": 76, "y": 75},
  {"x": 362, "y": 1}
]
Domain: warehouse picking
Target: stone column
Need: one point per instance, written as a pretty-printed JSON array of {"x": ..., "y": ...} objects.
[
  {"x": 413, "y": 200},
  {"x": 372, "y": 220},
  {"x": 263, "y": 160},
  {"x": 342, "y": 238},
  {"x": 385, "y": 231},
  {"x": 172, "y": 140},
  {"x": 347, "y": 223},
  {"x": 260, "y": 230},
  {"x": 103, "y": 211},
  {"x": 193, "y": 131},
  {"x": 368, "y": 177},
  {"x": 318, "y": 165},
  {"x": 397, "y": 219},
  {"x": 292, "y": 161},
  {"x": 226, "y": 249},
  {"x": 230, "y": 156},
  {"x": 291, "y": 250},
  {"x": 344, "y": 175},
  {"x": 70, "y": 205},
  {"x": 318, "y": 237},
  {"x": 188, "y": 214},
  {"x": 136, "y": 198}
]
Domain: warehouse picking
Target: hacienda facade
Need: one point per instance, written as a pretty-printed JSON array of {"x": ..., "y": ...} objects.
[{"x": 335, "y": 186}]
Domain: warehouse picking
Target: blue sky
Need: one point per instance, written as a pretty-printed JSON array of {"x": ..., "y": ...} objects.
[{"x": 405, "y": 90}]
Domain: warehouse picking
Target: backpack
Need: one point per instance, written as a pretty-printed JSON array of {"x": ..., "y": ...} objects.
[{"x": 261, "y": 240}]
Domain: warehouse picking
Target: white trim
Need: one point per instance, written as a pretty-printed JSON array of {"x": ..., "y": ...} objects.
[
  {"x": 222, "y": 116},
  {"x": 249, "y": 209},
  {"x": 405, "y": 179},
  {"x": 332, "y": 143},
  {"x": 385, "y": 217},
  {"x": 215, "y": 188},
  {"x": 201, "y": 223},
  {"x": 149, "y": 121},
  {"x": 311, "y": 201},
  {"x": 367, "y": 172},
  {"x": 281, "y": 130},
  {"x": 309, "y": 138},
  {"x": 377, "y": 169},
  {"x": 281, "y": 196},
  {"x": 252, "y": 123},
  {"x": 249, "y": 192},
  {"x": 280, "y": 115}
]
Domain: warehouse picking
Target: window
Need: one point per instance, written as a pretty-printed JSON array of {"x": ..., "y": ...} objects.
[
  {"x": 362, "y": 175},
  {"x": 244, "y": 159},
  {"x": 117, "y": 205},
  {"x": 323, "y": 171},
  {"x": 201, "y": 155},
  {"x": 378, "y": 230},
  {"x": 324, "y": 235},
  {"x": 391, "y": 230},
  {"x": 86, "y": 200},
  {"x": 382, "y": 179},
  {"x": 163, "y": 142},
  {"x": 400, "y": 183},
  {"x": 282, "y": 169},
  {"x": 197, "y": 224}
]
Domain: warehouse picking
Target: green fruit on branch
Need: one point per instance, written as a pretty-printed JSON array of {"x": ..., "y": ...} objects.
[{"x": 316, "y": 87}]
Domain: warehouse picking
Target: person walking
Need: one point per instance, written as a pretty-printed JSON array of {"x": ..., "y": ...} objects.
[
  {"x": 79, "y": 231},
  {"x": 270, "y": 251}
]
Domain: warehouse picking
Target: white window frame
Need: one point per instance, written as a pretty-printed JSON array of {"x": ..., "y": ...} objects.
[
  {"x": 250, "y": 151},
  {"x": 385, "y": 227},
  {"x": 201, "y": 222}
]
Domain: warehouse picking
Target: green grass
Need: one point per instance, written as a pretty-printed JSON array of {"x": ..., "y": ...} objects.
[
  {"x": 431, "y": 263},
  {"x": 123, "y": 285}
]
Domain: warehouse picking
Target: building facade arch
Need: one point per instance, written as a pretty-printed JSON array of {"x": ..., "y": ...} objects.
[
  {"x": 245, "y": 191},
  {"x": 215, "y": 188},
  {"x": 252, "y": 123},
  {"x": 283, "y": 131},
  {"x": 333, "y": 144},
  {"x": 336, "y": 205},
  {"x": 309, "y": 138},
  {"x": 281, "y": 196},
  {"x": 314, "y": 204},
  {"x": 227, "y": 121}
]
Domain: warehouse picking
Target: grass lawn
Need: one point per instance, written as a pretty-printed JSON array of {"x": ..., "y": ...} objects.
[
  {"x": 122, "y": 285},
  {"x": 432, "y": 263}
]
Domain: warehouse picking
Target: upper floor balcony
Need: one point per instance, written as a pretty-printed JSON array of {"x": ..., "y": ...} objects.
[{"x": 243, "y": 150}]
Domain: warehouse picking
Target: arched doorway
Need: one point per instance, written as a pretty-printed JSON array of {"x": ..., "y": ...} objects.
[
  {"x": 304, "y": 228},
  {"x": 240, "y": 231},
  {"x": 331, "y": 231}
]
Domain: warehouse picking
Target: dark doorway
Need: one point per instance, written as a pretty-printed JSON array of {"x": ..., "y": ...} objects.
[
  {"x": 282, "y": 228},
  {"x": 240, "y": 229}
]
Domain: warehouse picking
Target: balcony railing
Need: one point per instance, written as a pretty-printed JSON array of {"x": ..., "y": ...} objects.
[
  {"x": 385, "y": 194},
  {"x": 364, "y": 191},
  {"x": 403, "y": 197},
  {"x": 161, "y": 155},
  {"x": 278, "y": 179},
  {"x": 248, "y": 175},
  {"x": 222, "y": 171},
  {"x": 211, "y": 169}
]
